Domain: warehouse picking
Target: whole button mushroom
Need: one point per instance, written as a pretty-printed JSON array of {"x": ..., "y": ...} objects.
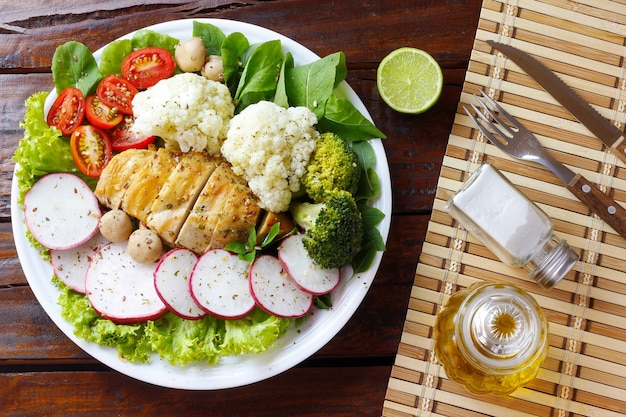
[
  {"x": 190, "y": 54},
  {"x": 213, "y": 68},
  {"x": 145, "y": 246},
  {"x": 115, "y": 225}
]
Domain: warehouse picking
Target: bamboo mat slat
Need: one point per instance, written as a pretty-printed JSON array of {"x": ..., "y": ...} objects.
[{"x": 584, "y": 42}]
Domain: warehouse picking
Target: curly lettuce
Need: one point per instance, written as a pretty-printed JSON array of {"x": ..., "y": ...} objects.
[{"x": 177, "y": 340}]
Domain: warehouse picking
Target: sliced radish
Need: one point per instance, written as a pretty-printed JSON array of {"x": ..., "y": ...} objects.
[
  {"x": 121, "y": 289},
  {"x": 172, "y": 282},
  {"x": 219, "y": 284},
  {"x": 306, "y": 273},
  {"x": 275, "y": 292},
  {"x": 70, "y": 265},
  {"x": 61, "y": 211}
]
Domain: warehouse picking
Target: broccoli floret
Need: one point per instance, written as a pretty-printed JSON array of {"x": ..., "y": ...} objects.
[
  {"x": 333, "y": 227},
  {"x": 333, "y": 166}
]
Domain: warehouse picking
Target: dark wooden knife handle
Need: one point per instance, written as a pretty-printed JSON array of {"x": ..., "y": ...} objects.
[
  {"x": 600, "y": 203},
  {"x": 619, "y": 149}
]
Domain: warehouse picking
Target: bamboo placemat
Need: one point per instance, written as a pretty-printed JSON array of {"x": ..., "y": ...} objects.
[{"x": 585, "y": 373}]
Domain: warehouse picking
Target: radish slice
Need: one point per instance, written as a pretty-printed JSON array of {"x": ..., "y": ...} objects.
[
  {"x": 70, "y": 265},
  {"x": 61, "y": 211},
  {"x": 275, "y": 292},
  {"x": 306, "y": 273},
  {"x": 172, "y": 282},
  {"x": 219, "y": 284},
  {"x": 121, "y": 289}
]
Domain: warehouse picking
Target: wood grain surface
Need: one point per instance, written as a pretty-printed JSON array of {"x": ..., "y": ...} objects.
[{"x": 43, "y": 373}]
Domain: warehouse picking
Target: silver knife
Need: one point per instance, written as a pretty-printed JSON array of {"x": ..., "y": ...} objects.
[{"x": 610, "y": 135}]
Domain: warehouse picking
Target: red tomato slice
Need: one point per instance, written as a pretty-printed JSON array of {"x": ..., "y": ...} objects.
[
  {"x": 116, "y": 92},
  {"x": 67, "y": 111},
  {"x": 147, "y": 66},
  {"x": 122, "y": 136},
  {"x": 100, "y": 115},
  {"x": 91, "y": 150}
]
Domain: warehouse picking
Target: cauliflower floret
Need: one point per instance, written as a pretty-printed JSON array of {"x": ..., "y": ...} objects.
[
  {"x": 270, "y": 147},
  {"x": 188, "y": 111}
]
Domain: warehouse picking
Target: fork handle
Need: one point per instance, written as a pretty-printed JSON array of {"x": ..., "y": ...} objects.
[{"x": 600, "y": 203}]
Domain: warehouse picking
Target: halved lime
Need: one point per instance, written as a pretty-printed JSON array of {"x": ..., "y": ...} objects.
[{"x": 409, "y": 80}]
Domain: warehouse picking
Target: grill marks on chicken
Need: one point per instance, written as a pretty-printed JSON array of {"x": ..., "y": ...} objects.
[{"x": 191, "y": 200}]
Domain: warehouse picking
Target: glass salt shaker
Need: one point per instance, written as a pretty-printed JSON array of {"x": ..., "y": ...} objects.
[
  {"x": 515, "y": 229},
  {"x": 491, "y": 338}
]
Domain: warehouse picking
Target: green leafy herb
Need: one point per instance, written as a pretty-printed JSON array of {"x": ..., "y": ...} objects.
[
  {"x": 233, "y": 49},
  {"x": 369, "y": 184},
  {"x": 281, "y": 97},
  {"x": 323, "y": 302},
  {"x": 145, "y": 38},
  {"x": 342, "y": 118},
  {"x": 248, "y": 250},
  {"x": 372, "y": 240},
  {"x": 73, "y": 65},
  {"x": 211, "y": 36},
  {"x": 312, "y": 84},
  {"x": 260, "y": 74},
  {"x": 113, "y": 55}
]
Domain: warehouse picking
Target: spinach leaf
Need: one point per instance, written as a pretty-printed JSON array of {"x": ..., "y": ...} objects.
[
  {"x": 211, "y": 35},
  {"x": 233, "y": 49},
  {"x": 342, "y": 118},
  {"x": 369, "y": 184},
  {"x": 312, "y": 84},
  {"x": 73, "y": 65},
  {"x": 145, "y": 37},
  {"x": 113, "y": 55},
  {"x": 281, "y": 97},
  {"x": 260, "y": 74},
  {"x": 372, "y": 239}
]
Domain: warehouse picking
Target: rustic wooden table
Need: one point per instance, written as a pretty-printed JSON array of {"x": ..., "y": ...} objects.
[{"x": 42, "y": 372}]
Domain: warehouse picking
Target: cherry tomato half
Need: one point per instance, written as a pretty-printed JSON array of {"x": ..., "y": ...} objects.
[
  {"x": 91, "y": 149},
  {"x": 116, "y": 92},
  {"x": 123, "y": 137},
  {"x": 67, "y": 111},
  {"x": 100, "y": 115},
  {"x": 147, "y": 66}
]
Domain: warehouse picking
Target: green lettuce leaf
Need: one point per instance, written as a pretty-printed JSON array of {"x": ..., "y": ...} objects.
[
  {"x": 129, "y": 340},
  {"x": 177, "y": 340}
]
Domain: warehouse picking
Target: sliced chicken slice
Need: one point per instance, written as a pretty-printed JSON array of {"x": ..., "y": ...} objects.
[
  {"x": 178, "y": 194},
  {"x": 118, "y": 175},
  {"x": 148, "y": 182},
  {"x": 197, "y": 231},
  {"x": 241, "y": 212}
]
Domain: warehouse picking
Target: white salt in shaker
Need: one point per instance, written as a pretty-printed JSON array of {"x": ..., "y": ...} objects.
[{"x": 518, "y": 232}]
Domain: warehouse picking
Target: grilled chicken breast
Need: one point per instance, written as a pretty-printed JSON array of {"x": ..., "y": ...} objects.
[
  {"x": 191, "y": 200},
  {"x": 180, "y": 191},
  {"x": 147, "y": 183},
  {"x": 119, "y": 172}
]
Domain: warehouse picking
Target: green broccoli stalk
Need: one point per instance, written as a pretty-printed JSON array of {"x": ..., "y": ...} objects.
[
  {"x": 333, "y": 227},
  {"x": 333, "y": 166}
]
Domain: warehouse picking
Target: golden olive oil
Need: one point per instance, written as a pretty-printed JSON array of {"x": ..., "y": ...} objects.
[{"x": 491, "y": 338}]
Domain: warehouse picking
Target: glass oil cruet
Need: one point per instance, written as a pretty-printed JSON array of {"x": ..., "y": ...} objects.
[{"x": 491, "y": 338}]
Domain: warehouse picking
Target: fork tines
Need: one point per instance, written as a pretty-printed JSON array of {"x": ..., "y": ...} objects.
[{"x": 491, "y": 119}]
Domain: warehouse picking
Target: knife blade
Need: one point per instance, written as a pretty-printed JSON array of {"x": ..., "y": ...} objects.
[{"x": 610, "y": 135}]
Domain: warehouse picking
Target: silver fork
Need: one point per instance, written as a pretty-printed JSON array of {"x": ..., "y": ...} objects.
[{"x": 514, "y": 139}]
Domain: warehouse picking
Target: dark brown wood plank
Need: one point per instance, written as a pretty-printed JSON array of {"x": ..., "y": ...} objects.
[{"x": 340, "y": 392}]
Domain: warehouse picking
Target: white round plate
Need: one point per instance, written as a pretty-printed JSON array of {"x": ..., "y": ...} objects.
[{"x": 291, "y": 349}]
